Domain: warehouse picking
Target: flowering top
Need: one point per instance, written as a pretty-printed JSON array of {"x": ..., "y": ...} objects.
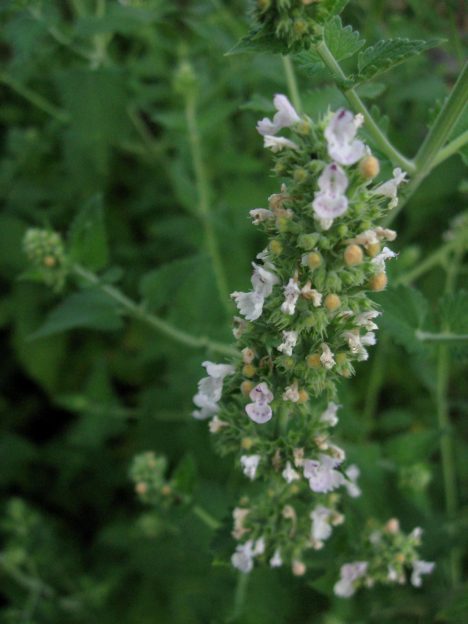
[{"x": 305, "y": 322}]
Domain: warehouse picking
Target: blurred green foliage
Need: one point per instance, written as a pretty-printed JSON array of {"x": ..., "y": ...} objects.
[{"x": 99, "y": 142}]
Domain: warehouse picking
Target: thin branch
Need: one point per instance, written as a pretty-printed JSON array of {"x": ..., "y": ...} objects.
[
  {"x": 35, "y": 99},
  {"x": 292, "y": 83}
]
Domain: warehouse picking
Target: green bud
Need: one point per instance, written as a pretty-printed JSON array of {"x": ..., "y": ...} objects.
[
  {"x": 308, "y": 242},
  {"x": 185, "y": 79},
  {"x": 343, "y": 231},
  {"x": 300, "y": 175},
  {"x": 333, "y": 282},
  {"x": 45, "y": 251}
]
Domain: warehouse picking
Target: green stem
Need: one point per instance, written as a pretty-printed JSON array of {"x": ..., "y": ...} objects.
[
  {"x": 451, "y": 148},
  {"x": 137, "y": 311},
  {"x": 206, "y": 518},
  {"x": 441, "y": 337},
  {"x": 292, "y": 83},
  {"x": 374, "y": 385},
  {"x": 35, "y": 99},
  {"x": 240, "y": 596},
  {"x": 204, "y": 207},
  {"x": 438, "y": 257},
  {"x": 380, "y": 140}
]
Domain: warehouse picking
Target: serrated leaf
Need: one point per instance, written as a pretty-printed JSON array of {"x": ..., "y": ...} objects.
[
  {"x": 90, "y": 309},
  {"x": 404, "y": 311},
  {"x": 258, "y": 41},
  {"x": 87, "y": 242},
  {"x": 388, "y": 53},
  {"x": 342, "y": 41},
  {"x": 453, "y": 312},
  {"x": 330, "y": 8}
]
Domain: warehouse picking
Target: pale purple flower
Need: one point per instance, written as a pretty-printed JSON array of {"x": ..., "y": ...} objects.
[
  {"x": 420, "y": 568},
  {"x": 259, "y": 215},
  {"x": 261, "y": 393},
  {"x": 210, "y": 389},
  {"x": 263, "y": 280},
  {"x": 350, "y": 483},
  {"x": 259, "y": 411},
  {"x": 322, "y": 474},
  {"x": 244, "y": 555},
  {"x": 340, "y": 134},
  {"x": 321, "y": 523},
  {"x": 291, "y": 295},
  {"x": 218, "y": 371},
  {"x": 285, "y": 117},
  {"x": 277, "y": 144},
  {"x": 289, "y": 342},
  {"x": 349, "y": 574},
  {"x": 330, "y": 201},
  {"x": 329, "y": 417}
]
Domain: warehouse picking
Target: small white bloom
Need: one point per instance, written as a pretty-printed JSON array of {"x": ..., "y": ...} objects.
[
  {"x": 284, "y": 118},
  {"x": 327, "y": 358},
  {"x": 291, "y": 393},
  {"x": 369, "y": 339},
  {"x": 337, "y": 453},
  {"x": 207, "y": 408},
  {"x": 352, "y": 473},
  {"x": 366, "y": 238},
  {"x": 242, "y": 559},
  {"x": 311, "y": 294},
  {"x": 321, "y": 523},
  {"x": 349, "y": 574},
  {"x": 276, "y": 561},
  {"x": 289, "y": 342},
  {"x": 379, "y": 261},
  {"x": 340, "y": 134},
  {"x": 211, "y": 388},
  {"x": 331, "y": 202},
  {"x": 358, "y": 122},
  {"x": 390, "y": 188},
  {"x": 322, "y": 475},
  {"x": 329, "y": 416},
  {"x": 216, "y": 424},
  {"x": 263, "y": 280},
  {"x": 249, "y": 465},
  {"x": 419, "y": 568},
  {"x": 289, "y": 474},
  {"x": 249, "y": 304},
  {"x": 385, "y": 233},
  {"x": 259, "y": 215},
  {"x": 248, "y": 355},
  {"x": 218, "y": 371},
  {"x": 277, "y": 144},
  {"x": 416, "y": 534},
  {"x": 259, "y": 547},
  {"x": 365, "y": 320},
  {"x": 355, "y": 345},
  {"x": 291, "y": 295}
]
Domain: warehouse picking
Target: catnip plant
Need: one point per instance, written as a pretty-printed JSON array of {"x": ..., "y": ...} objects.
[{"x": 273, "y": 401}]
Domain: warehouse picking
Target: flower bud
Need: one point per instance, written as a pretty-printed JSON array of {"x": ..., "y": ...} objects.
[
  {"x": 378, "y": 282},
  {"x": 276, "y": 247},
  {"x": 353, "y": 255},
  {"x": 303, "y": 396},
  {"x": 298, "y": 568},
  {"x": 45, "y": 251},
  {"x": 300, "y": 175},
  {"x": 248, "y": 355},
  {"x": 392, "y": 526},
  {"x": 247, "y": 387},
  {"x": 373, "y": 249},
  {"x": 308, "y": 241},
  {"x": 303, "y": 127},
  {"x": 249, "y": 370},
  {"x": 185, "y": 80},
  {"x": 369, "y": 167},
  {"x": 314, "y": 260},
  {"x": 332, "y": 302},
  {"x": 313, "y": 360},
  {"x": 247, "y": 443}
]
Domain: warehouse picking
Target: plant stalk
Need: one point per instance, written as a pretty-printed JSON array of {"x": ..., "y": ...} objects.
[{"x": 292, "y": 83}]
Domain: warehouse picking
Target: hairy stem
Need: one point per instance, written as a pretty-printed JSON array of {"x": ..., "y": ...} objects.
[
  {"x": 35, "y": 99},
  {"x": 204, "y": 205},
  {"x": 380, "y": 140},
  {"x": 441, "y": 337},
  {"x": 292, "y": 83},
  {"x": 451, "y": 148},
  {"x": 137, "y": 311},
  {"x": 436, "y": 258}
]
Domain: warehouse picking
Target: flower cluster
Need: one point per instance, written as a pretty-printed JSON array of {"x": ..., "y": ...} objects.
[
  {"x": 148, "y": 474},
  {"x": 45, "y": 251},
  {"x": 302, "y": 327},
  {"x": 391, "y": 557}
]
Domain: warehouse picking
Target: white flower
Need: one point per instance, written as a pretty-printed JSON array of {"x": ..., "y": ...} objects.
[
  {"x": 277, "y": 144},
  {"x": 416, "y": 534},
  {"x": 322, "y": 475},
  {"x": 249, "y": 465},
  {"x": 215, "y": 425},
  {"x": 218, "y": 371},
  {"x": 366, "y": 238},
  {"x": 329, "y": 416},
  {"x": 419, "y": 568},
  {"x": 289, "y": 474},
  {"x": 311, "y": 294},
  {"x": 243, "y": 558},
  {"x": 356, "y": 345},
  {"x": 352, "y": 473},
  {"x": 249, "y": 304},
  {"x": 289, "y": 342},
  {"x": 349, "y": 574},
  {"x": 379, "y": 261},
  {"x": 327, "y": 358},
  {"x": 263, "y": 281},
  {"x": 321, "y": 523},
  {"x": 331, "y": 202},
  {"x": 207, "y": 406},
  {"x": 385, "y": 233},
  {"x": 365, "y": 320},
  {"x": 276, "y": 561},
  {"x": 260, "y": 214},
  {"x": 259, "y": 411},
  {"x": 291, "y": 393},
  {"x": 291, "y": 295},
  {"x": 284, "y": 118},
  {"x": 369, "y": 339},
  {"x": 390, "y": 188},
  {"x": 259, "y": 547},
  {"x": 340, "y": 134}
]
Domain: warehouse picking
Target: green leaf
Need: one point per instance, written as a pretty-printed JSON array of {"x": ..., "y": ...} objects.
[
  {"x": 343, "y": 42},
  {"x": 90, "y": 309},
  {"x": 330, "y": 8},
  {"x": 388, "y": 53},
  {"x": 87, "y": 236},
  {"x": 184, "y": 476},
  {"x": 404, "y": 310},
  {"x": 453, "y": 312},
  {"x": 258, "y": 41}
]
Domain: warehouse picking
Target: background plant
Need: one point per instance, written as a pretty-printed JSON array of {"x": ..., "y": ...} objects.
[{"x": 156, "y": 171}]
